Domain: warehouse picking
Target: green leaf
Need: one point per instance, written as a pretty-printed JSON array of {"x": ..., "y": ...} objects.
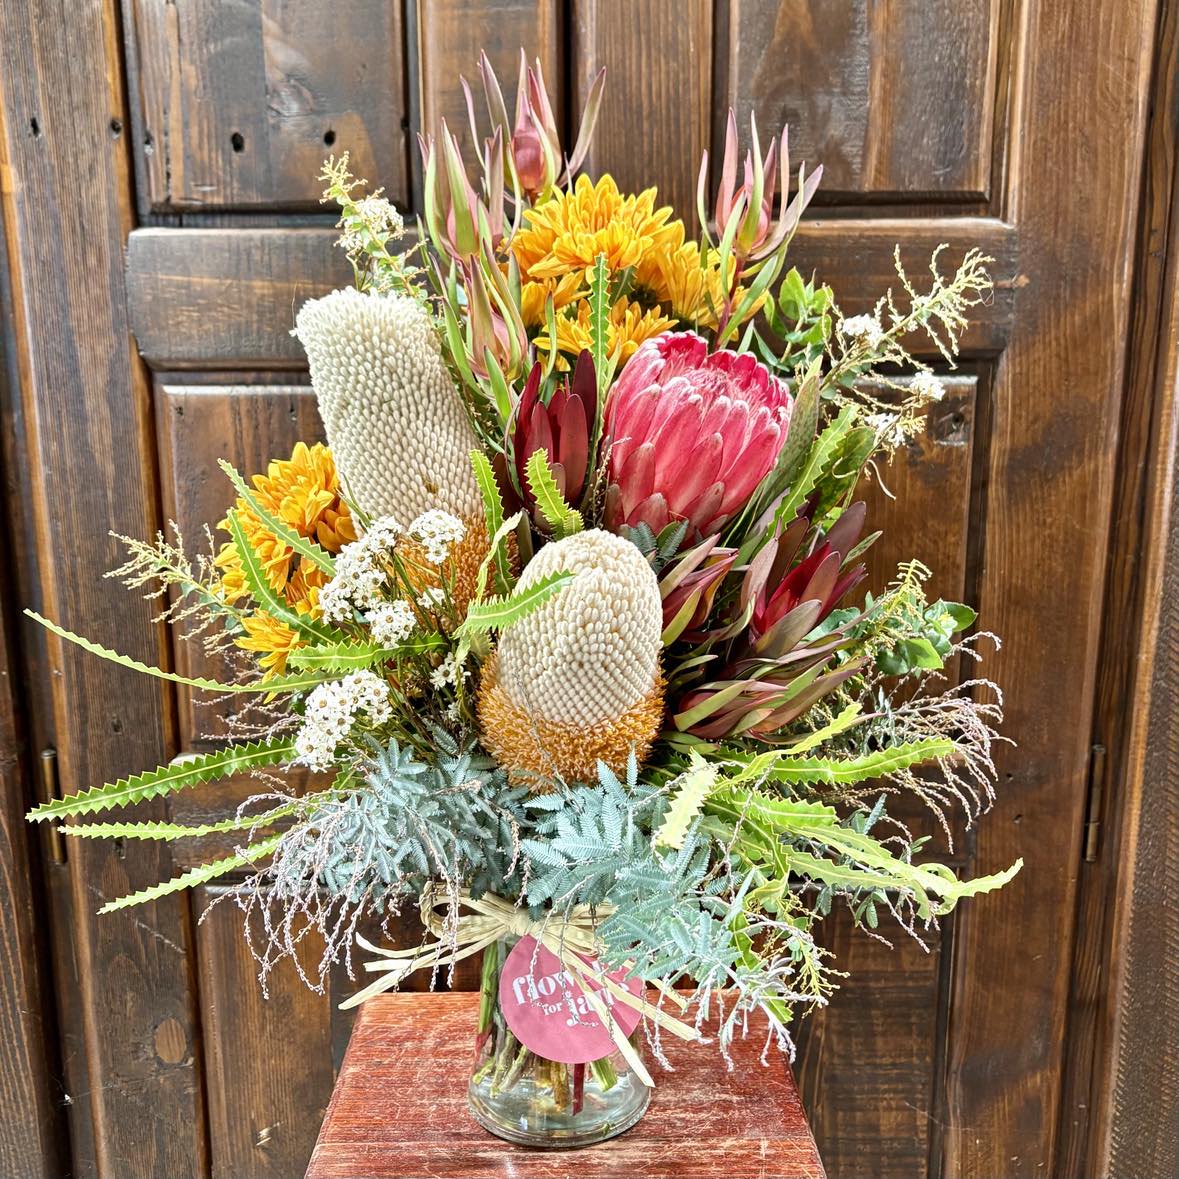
[
  {"x": 837, "y": 875},
  {"x": 834, "y": 770},
  {"x": 907, "y": 656},
  {"x": 345, "y": 656},
  {"x": 261, "y": 590},
  {"x": 493, "y": 511},
  {"x": 168, "y": 779},
  {"x": 290, "y": 683},
  {"x": 599, "y": 320},
  {"x": 152, "y": 829},
  {"x": 561, "y": 518},
  {"x": 845, "y": 720},
  {"x": 500, "y": 613},
  {"x": 195, "y": 876},
  {"x": 963, "y": 616},
  {"x": 804, "y": 421},
  {"x": 694, "y": 788},
  {"x": 842, "y": 473},
  {"x": 498, "y": 548},
  {"x": 792, "y": 295},
  {"x": 285, "y": 533}
]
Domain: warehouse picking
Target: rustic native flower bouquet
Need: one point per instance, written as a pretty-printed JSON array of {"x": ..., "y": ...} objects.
[{"x": 566, "y": 619}]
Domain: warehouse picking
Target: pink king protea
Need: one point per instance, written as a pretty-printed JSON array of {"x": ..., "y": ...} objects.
[{"x": 692, "y": 434}]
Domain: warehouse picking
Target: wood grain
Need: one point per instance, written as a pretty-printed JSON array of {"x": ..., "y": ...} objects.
[
  {"x": 67, "y": 209},
  {"x": 451, "y": 34},
  {"x": 30, "y": 1119},
  {"x": 894, "y": 100},
  {"x": 226, "y": 299},
  {"x": 238, "y": 105},
  {"x": 399, "y": 1109},
  {"x": 928, "y": 479},
  {"x": 264, "y": 1105},
  {"x": 867, "y": 1063},
  {"x": 667, "y": 93},
  {"x": 1042, "y": 550},
  {"x": 1122, "y": 1102}
]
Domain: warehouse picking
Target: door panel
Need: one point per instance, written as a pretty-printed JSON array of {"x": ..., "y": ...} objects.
[
  {"x": 247, "y": 424},
  {"x": 942, "y": 122},
  {"x": 239, "y": 103},
  {"x": 896, "y": 101}
]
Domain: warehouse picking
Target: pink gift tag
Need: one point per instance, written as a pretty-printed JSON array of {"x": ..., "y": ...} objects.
[{"x": 547, "y": 1010}]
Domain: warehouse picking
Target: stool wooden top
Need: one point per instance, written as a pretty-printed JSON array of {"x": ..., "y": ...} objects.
[{"x": 399, "y": 1110}]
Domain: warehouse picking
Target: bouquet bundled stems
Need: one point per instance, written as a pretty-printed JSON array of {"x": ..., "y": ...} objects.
[{"x": 568, "y": 612}]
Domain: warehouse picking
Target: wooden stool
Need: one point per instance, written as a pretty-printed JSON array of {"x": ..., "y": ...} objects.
[{"x": 399, "y": 1110}]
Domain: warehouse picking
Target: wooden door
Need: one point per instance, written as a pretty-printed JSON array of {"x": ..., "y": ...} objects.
[{"x": 187, "y": 142}]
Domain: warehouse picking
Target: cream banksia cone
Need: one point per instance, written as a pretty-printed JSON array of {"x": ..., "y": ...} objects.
[
  {"x": 577, "y": 681},
  {"x": 398, "y": 432},
  {"x": 395, "y": 424}
]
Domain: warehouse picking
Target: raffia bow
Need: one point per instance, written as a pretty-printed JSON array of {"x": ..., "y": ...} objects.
[{"x": 480, "y": 923}]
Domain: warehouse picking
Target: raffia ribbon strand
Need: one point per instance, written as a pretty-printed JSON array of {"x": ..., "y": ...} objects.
[{"x": 480, "y": 923}]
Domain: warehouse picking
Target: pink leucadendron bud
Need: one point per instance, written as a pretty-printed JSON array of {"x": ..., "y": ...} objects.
[
  {"x": 692, "y": 434},
  {"x": 531, "y": 141},
  {"x": 745, "y": 213}
]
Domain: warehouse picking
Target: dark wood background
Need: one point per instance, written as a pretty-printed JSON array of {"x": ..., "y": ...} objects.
[{"x": 161, "y": 223}]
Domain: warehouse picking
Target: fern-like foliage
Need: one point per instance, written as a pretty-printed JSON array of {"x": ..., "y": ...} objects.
[
  {"x": 195, "y": 876},
  {"x": 454, "y": 819},
  {"x": 179, "y": 775},
  {"x": 301, "y": 682},
  {"x": 493, "y": 509},
  {"x": 674, "y": 915},
  {"x": 560, "y": 517},
  {"x": 500, "y": 613}
]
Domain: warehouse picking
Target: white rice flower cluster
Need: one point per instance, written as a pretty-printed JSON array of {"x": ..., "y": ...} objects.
[
  {"x": 379, "y": 217},
  {"x": 331, "y": 712},
  {"x": 447, "y": 672},
  {"x": 431, "y": 597},
  {"x": 925, "y": 387},
  {"x": 590, "y": 652},
  {"x": 437, "y": 531},
  {"x": 359, "y": 582},
  {"x": 391, "y": 622},
  {"x": 890, "y": 428},
  {"x": 864, "y": 330},
  {"x": 394, "y": 421}
]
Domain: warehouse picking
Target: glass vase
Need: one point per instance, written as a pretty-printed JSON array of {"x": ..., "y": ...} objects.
[{"x": 527, "y": 1099}]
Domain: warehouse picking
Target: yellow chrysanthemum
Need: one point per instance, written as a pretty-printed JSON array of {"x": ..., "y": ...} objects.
[
  {"x": 680, "y": 281},
  {"x": 570, "y": 231},
  {"x": 304, "y": 492},
  {"x": 628, "y": 326},
  {"x": 534, "y": 296},
  {"x": 271, "y": 640}
]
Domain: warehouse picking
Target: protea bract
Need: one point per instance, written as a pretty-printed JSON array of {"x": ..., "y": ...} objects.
[{"x": 692, "y": 434}]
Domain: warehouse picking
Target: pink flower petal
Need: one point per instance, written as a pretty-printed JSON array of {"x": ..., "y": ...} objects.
[
  {"x": 698, "y": 470},
  {"x": 652, "y": 512},
  {"x": 636, "y": 478}
]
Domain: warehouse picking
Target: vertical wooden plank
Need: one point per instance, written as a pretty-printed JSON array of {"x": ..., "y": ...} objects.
[
  {"x": 31, "y": 1138},
  {"x": 239, "y": 104},
  {"x": 269, "y": 1057},
  {"x": 866, "y": 1063},
  {"x": 1122, "y": 1111},
  {"x": 656, "y": 115},
  {"x": 1049, "y": 478},
  {"x": 67, "y": 209},
  {"x": 450, "y": 35}
]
